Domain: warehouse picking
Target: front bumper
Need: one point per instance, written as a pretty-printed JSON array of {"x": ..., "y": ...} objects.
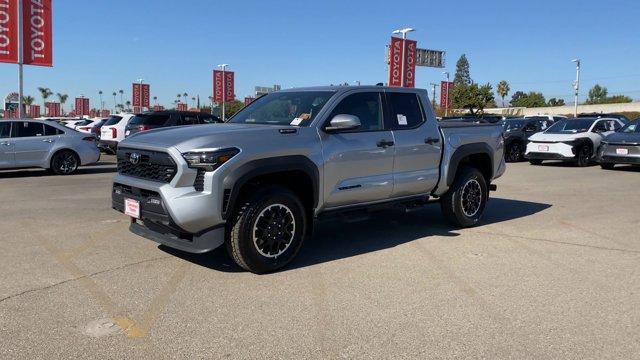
[
  {"x": 608, "y": 154},
  {"x": 554, "y": 151},
  {"x": 157, "y": 224}
]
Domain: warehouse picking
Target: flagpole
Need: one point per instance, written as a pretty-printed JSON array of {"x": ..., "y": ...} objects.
[{"x": 20, "y": 63}]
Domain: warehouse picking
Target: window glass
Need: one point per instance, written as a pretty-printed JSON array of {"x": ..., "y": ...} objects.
[
  {"x": 295, "y": 108},
  {"x": 633, "y": 126},
  {"x": 50, "y": 130},
  {"x": 113, "y": 120},
  {"x": 151, "y": 120},
  {"x": 26, "y": 129},
  {"x": 366, "y": 106},
  {"x": 5, "y": 128},
  {"x": 405, "y": 110},
  {"x": 208, "y": 119},
  {"x": 616, "y": 125}
]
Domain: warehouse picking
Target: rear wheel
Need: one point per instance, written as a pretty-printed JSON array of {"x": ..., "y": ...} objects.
[
  {"x": 64, "y": 162},
  {"x": 463, "y": 205},
  {"x": 535, "y": 161},
  {"x": 514, "y": 152},
  {"x": 267, "y": 231},
  {"x": 584, "y": 155}
]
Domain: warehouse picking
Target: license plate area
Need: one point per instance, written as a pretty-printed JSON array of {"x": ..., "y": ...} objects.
[
  {"x": 132, "y": 208},
  {"x": 543, "y": 147},
  {"x": 622, "y": 151}
]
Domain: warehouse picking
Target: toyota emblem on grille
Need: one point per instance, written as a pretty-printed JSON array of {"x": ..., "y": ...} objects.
[{"x": 134, "y": 158}]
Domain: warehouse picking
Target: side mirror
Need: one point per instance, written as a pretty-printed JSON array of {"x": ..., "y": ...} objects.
[{"x": 342, "y": 122}]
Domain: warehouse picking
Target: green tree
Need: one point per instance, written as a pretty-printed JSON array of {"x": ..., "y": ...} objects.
[
  {"x": 472, "y": 97},
  {"x": 28, "y": 100},
  {"x": 556, "y": 102},
  {"x": 531, "y": 99},
  {"x": 597, "y": 94},
  {"x": 617, "y": 99},
  {"x": 503, "y": 89},
  {"x": 45, "y": 93},
  {"x": 462, "y": 75}
]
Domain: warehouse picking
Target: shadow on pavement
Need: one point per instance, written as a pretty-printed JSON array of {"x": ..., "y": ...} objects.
[{"x": 336, "y": 239}]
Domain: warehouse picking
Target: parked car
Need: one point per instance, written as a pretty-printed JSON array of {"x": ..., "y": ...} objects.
[
  {"x": 517, "y": 132},
  {"x": 620, "y": 117},
  {"x": 96, "y": 128},
  {"x": 621, "y": 147},
  {"x": 553, "y": 118},
  {"x": 158, "y": 119},
  {"x": 45, "y": 144},
  {"x": 258, "y": 181},
  {"x": 570, "y": 140},
  {"x": 112, "y": 132},
  {"x": 70, "y": 123},
  {"x": 86, "y": 127}
]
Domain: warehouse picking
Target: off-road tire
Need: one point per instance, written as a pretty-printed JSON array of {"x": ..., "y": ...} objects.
[
  {"x": 453, "y": 204},
  {"x": 240, "y": 231}
]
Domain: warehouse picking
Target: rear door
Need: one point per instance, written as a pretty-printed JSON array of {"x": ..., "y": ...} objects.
[
  {"x": 358, "y": 164},
  {"x": 417, "y": 143},
  {"x": 31, "y": 144},
  {"x": 7, "y": 159}
]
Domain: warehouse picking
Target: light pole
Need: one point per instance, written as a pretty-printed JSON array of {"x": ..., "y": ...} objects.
[
  {"x": 211, "y": 100},
  {"x": 576, "y": 87},
  {"x": 140, "y": 80},
  {"x": 101, "y": 102},
  {"x": 404, "y": 37},
  {"x": 224, "y": 93},
  {"x": 446, "y": 103},
  {"x": 433, "y": 96}
]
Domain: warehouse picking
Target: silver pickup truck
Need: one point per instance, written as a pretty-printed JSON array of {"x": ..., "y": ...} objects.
[{"x": 258, "y": 182}]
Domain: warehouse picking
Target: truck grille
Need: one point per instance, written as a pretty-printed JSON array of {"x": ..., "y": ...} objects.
[
  {"x": 145, "y": 164},
  {"x": 198, "y": 184}
]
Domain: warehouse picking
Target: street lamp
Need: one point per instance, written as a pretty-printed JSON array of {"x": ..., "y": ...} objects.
[
  {"x": 433, "y": 96},
  {"x": 446, "y": 103},
  {"x": 404, "y": 37},
  {"x": 224, "y": 94},
  {"x": 576, "y": 87}
]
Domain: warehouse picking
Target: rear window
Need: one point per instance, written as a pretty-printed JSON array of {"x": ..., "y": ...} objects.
[
  {"x": 152, "y": 120},
  {"x": 113, "y": 120},
  {"x": 50, "y": 130}
]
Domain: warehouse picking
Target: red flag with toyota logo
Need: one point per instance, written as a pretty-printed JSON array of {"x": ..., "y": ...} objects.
[
  {"x": 146, "y": 94},
  {"x": 9, "y": 31},
  {"x": 37, "y": 35},
  {"x": 229, "y": 86},
  {"x": 410, "y": 52},
  {"x": 395, "y": 61},
  {"x": 217, "y": 86}
]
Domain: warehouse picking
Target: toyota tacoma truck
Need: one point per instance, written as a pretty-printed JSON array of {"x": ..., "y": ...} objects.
[{"x": 258, "y": 182}]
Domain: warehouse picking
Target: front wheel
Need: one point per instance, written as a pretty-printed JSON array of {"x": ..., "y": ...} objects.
[
  {"x": 514, "y": 152},
  {"x": 463, "y": 205},
  {"x": 584, "y": 156},
  {"x": 65, "y": 162},
  {"x": 267, "y": 231}
]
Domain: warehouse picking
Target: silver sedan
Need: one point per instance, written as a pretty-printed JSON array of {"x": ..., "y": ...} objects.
[{"x": 45, "y": 144}]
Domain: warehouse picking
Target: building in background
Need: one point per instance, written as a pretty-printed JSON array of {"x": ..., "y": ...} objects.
[{"x": 263, "y": 90}]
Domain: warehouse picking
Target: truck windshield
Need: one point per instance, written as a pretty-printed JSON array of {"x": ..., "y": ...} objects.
[
  {"x": 631, "y": 127},
  {"x": 512, "y": 125},
  {"x": 295, "y": 108},
  {"x": 570, "y": 126}
]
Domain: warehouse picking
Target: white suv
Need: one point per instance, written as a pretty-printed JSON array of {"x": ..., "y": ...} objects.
[
  {"x": 112, "y": 132},
  {"x": 570, "y": 140}
]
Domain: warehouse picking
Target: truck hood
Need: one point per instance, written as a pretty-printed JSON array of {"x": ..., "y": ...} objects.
[
  {"x": 187, "y": 138},
  {"x": 632, "y": 138},
  {"x": 541, "y": 136}
]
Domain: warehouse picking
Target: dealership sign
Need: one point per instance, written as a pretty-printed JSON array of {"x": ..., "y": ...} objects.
[
  {"x": 9, "y": 31},
  {"x": 446, "y": 87},
  {"x": 53, "y": 109},
  {"x": 141, "y": 94},
  {"x": 430, "y": 58},
  {"x": 223, "y": 86},
  {"x": 82, "y": 106},
  {"x": 36, "y": 32}
]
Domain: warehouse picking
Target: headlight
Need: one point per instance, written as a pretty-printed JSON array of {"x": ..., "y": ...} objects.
[{"x": 209, "y": 160}]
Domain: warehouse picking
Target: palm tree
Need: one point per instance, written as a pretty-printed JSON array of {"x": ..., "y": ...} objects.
[
  {"x": 45, "y": 93},
  {"x": 155, "y": 100},
  {"x": 121, "y": 94},
  {"x": 115, "y": 102},
  {"x": 128, "y": 105},
  {"x": 186, "y": 100},
  {"x": 63, "y": 99},
  {"x": 101, "y": 103},
  {"x": 503, "y": 89},
  {"x": 28, "y": 100},
  {"x": 194, "y": 100}
]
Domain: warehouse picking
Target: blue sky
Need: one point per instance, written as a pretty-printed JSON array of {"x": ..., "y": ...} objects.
[{"x": 174, "y": 45}]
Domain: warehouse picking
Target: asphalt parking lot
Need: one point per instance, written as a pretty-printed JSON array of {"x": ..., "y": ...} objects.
[{"x": 552, "y": 273}]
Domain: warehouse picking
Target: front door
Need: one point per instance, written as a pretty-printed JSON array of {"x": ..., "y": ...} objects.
[
  {"x": 6, "y": 146},
  {"x": 358, "y": 164},
  {"x": 418, "y": 145},
  {"x": 31, "y": 144}
]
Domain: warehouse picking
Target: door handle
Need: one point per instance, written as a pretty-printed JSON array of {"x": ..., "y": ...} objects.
[
  {"x": 431, "y": 141},
  {"x": 47, "y": 140},
  {"x": 6, "y": 144},
  {"x": 384, "y": 143}
]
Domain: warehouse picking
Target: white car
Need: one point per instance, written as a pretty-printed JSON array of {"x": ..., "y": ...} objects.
[
  {"x": 85, "y": 127},
  {"x": 112, "y": 132},
  {"x": 71, "y": 124},
  {"x": 553, "y": 118},
  {"x": 574, "y": 140}
]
